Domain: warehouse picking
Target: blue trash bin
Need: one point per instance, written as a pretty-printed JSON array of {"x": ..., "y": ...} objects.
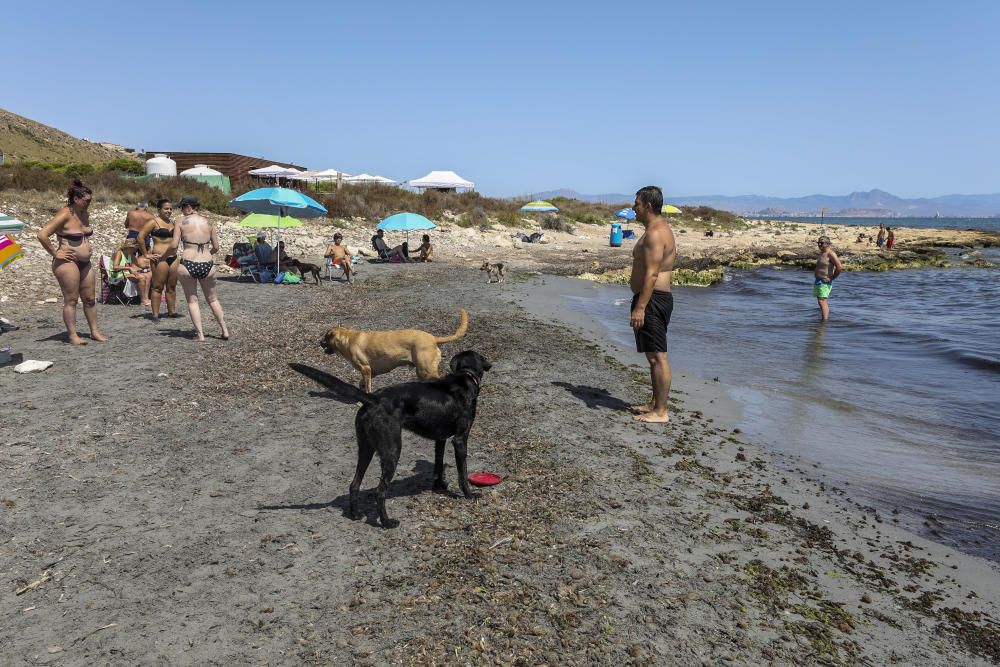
[{"x": 616, "y": 235}]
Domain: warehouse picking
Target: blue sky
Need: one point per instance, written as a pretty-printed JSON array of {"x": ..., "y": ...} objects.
[{"x": 775, "y": 98}]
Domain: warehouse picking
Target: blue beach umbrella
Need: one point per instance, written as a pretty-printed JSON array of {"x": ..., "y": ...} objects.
[
  {"x": 281, "y": 202},
  {"x": 405, "y": 222},
  {"x": 625, "y": 214}
]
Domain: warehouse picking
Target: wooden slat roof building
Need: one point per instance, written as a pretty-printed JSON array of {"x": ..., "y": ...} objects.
[{"x": 233, "y": 165}]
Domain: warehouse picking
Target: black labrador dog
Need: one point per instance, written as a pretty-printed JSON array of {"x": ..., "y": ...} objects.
[{"x": 434, "y": 409}]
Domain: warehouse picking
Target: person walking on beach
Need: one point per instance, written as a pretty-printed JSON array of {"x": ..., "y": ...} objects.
[
  {"x": 881, "y": 235},
  {"x": 828, "y": 267},
  {"x": 890, "y": 239},
  {"x": 200, "y": 240},
  {"x": 71, "y": 260},
  {"x": 136, "y": 219},
  {"x": 652, "y": 302}
]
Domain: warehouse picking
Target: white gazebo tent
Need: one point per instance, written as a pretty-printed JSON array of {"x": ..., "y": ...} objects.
[
  {"x": 442, "y": 180},
  {"x": 274, "y": 171},
  {"x": 368, "y": 179},
  {"x": 316, "y": 176}
]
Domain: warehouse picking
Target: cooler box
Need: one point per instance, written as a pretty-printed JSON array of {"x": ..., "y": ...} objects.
[{"x": 616, "y": 235}]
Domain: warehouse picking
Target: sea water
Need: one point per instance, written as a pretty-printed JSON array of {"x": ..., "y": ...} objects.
[
  {"x": 984, "y": 224},
  {"x": 897, "y": 397}
]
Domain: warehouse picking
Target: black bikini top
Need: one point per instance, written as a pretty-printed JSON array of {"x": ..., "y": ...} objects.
[
  {"x": 201, "y": 246},
  {"x": 77, "y": 236}
]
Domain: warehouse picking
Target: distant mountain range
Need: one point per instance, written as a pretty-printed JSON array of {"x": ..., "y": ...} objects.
[{"x": 878, "y": 203}]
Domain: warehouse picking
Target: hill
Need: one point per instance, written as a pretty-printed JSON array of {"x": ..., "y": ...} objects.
[
  {"x": 24, "y": 139},
  {"x": 872, "y": 203}
]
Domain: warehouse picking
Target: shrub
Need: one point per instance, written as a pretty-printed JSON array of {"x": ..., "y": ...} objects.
[
  {"x": 126, "y": 167},
  {"x": 113, "y": 186},
  {"x": 557, "y": 223}
]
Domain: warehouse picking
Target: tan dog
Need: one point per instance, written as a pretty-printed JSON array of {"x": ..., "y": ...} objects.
[{"x": 377, "y": 352}]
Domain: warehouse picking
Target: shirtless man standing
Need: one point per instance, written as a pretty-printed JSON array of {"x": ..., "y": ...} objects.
[
  {"x": 339, "y": 255},
  {"x": 136, "y": 219},
  {"x": 652, "y": 264},
  {"x": 828, "y": 267}
]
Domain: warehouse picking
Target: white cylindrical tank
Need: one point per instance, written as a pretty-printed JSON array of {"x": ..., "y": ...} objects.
[
  {"x": 201, "y": 170},
  {"x": 161, "y": 165}
]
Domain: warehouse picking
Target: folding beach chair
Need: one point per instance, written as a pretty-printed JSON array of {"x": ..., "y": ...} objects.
[
  {"x": 332, "y": 269},
  {"x": 114, "y": 291},
  {"x": 246, "y": 261}
]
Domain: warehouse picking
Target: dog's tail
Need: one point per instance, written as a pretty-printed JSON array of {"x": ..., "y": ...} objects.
[
  {"x": 343, "y": 391},
  {"x": 463, "y": 326}
]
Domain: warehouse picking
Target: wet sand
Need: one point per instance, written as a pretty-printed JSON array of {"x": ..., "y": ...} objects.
[{"x": 165, "y": 501}]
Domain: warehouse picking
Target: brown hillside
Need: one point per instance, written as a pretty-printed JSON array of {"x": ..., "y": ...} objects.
[{"x": 24, "y": 139}]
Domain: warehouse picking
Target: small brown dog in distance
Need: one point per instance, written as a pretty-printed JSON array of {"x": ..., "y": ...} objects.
[
  {"x": 302, "y": 268},
  {"x": 490, "y": 269},
  {"x": 376, "y": 352}
]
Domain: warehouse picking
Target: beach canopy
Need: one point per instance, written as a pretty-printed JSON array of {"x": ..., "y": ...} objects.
[
  {"x": 539, "y": 206},
  {"x": 625, "y": 214},
  {"x": 405, "y": 222},
  {"x": 361, "y": 179},
  {"x": 315, "y": 176},
  {"x": 279, "y": 202},
  {"x": 274, "y": 171},
  {"x": 670, "y": 208},
  {"x": 266, "y": 221},
  {"x": 9, "y": 224},
  {"x": 442, "y": 179}
]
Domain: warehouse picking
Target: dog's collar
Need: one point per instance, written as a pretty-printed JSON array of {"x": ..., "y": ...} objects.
[{"x": 473, "y": 376}]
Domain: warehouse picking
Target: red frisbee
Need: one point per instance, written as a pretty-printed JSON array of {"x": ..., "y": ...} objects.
[{"x": 484, "y": 479}]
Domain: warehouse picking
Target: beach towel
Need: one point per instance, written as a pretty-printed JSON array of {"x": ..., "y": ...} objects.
[{"x": 9, "y": 251}]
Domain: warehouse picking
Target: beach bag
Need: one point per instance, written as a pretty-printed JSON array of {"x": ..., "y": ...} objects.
[
  {"x": 290, "y": 278},
  {"x": 266, "y": 275}
]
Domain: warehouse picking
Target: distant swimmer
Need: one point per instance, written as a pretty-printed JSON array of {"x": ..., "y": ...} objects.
[
  {"x": 652, "y": 301},
  {"x": 828, "y": 267}
]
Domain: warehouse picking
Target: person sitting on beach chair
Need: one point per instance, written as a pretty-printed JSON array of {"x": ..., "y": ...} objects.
[
  {"x": 262, "y": 250},
  {"x": 337, "y": 254},
  {"x": 400, "y": 252}
]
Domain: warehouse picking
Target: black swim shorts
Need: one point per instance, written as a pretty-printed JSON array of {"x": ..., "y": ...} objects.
[{"x": 652, "y": 337}]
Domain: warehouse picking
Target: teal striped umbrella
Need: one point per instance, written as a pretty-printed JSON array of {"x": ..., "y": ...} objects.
[{"x": 10, "y": 225}]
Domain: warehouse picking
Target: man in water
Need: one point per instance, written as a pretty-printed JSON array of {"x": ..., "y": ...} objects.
[
  {"x": 652, "y": 264},
  {"x": 135, "y": 220},
  {"x": 828, "y": 267}
]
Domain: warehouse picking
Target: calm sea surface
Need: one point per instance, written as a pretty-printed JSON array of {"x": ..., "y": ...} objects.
[
  {"x": 988, "y": 224},
  {"x": 897, "y": 397}
]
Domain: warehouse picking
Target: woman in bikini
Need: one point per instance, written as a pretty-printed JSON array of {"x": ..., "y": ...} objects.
[
  {"x": 426, "y": 250},
  {"x": 197, "y": 234},
  {"x": 161, "y": 230},
  {"x": 71, "y": 260}
]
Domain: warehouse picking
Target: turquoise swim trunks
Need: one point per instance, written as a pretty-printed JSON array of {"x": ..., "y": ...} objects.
[{"x": 821, "y": 290}]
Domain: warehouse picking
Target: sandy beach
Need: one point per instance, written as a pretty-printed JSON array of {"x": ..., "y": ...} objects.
[{"x": 165, "y": 501}]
